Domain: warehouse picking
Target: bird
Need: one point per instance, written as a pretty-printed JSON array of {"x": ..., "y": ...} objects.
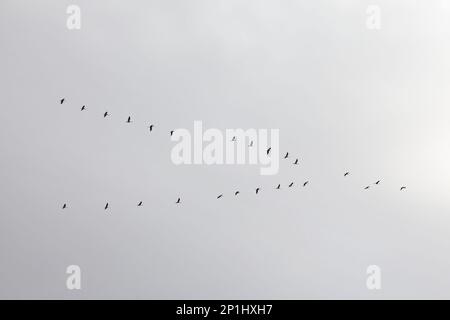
[
  {"x": 171, "y": 132},
  {"x": 296, "y": 161},
  {"x": 151, "y": 127},
  {"x": 257, "y": 190},
  {"x": 178, "y": 201},
  {"x": 366, "y": 187},
  {"x": 236, "y": 193},
  {"x": 291, "y": 184},
  {"x": 287, "y": 154},
  {"x": 268, "y": 150},
  {"x": 346, "y": 174},
  {"x": 306, "y": 182},
  {"x": 83, "y": 108},
  {"x": 64, "y": 206},
  {"x": 402, "y": 188},
  {"x": 378, "y": 182},
  {"x": 251, "y": 144},
  {"x": 140, "y": 204},
  {"x": 278, "y": 186},
  {"x": 62, "y": 101},
  {"x": 106, "y": 206},
  {"x": 219, "y": 196},
  {"x": 234, "y": 138},
  {"x": 129, "y": 119},
  {"x": 105, "y": 114}
]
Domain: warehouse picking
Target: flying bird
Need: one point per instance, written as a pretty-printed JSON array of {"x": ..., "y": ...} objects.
[
  {"x": 346, "y": 174},
  {"x": 366, "y": 187},
  {"x": 171, "y": 132},
  {"x": 107, "y": 205},
  {"x": 291, "y": 184},
  {"x": 219, "y": 196},
  {"x": 140, "y": 204},
  {"x": 278, "y": 186},
  {"x": 234, "y": 138},
  {"x": 287, "y": 154},
  {"x": 151, "y": 127},
  {"x": 378, "y": 182},
  {"x": 129, "y": 119},
  {"x": 257, "y": 190},
  {"x": 83, "y": 108},
  {"x": 105, "y": 114},
  {"x": 178, "y": 201},
  {"x": 236, "y": 193},
  {"x": 64, "y": 206},
  {"x": 62, "y": 101},
  {"x": 306, "y": 182},
  {"x": 402, "y": 188},
  {"x": 268, "y": 150},
  {"x": 251, "y": 144},
  {"x": 296, "y": 161}
]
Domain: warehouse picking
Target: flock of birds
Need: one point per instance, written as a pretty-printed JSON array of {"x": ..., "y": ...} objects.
[{"x": 236, "y": 193}]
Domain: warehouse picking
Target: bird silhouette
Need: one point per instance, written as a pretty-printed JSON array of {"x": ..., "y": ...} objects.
[
  {"x": 129, "y": 119},
  {"x": 234, "y": 138},
  {"x": 106, "y": 206},
  {"x": 83, "y": 108},
  {"x": 171, "y": 132},
  {"x": 366, "y": 187},
  {"x": 219, "y": 196},
  {"x": 402, "y": 188},
  {"x": 178, "y": 201},
  {"x": 251, "y": 144},
  {"x": 306, "y": 182},
  {"x": 257, "y": 190},
  {"x": 278, "y": 186},
  {"x": 296, "y": 161},
  {"x": 105, "y": 114},
  {"x": 378, "y": 182},
  {"x": 64, "y": 206},
  {"x": 287, "y": 154},
  {"x": 268, "y": 150},
  {"x": 236, "y": 193},
  {"x": 151, "y": 127},
  {"x": 346, "y": 174},
  {"x": 62, "y": 101},
  {"x": 291, "y": 184},
  {"x": 140, "y": 204}
]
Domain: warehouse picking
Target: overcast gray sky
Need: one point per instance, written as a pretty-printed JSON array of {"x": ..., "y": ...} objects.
[{"x": 345, "y": 98}]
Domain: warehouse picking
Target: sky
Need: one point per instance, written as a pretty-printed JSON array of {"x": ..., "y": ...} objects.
[{"x": 343, "y": 97}]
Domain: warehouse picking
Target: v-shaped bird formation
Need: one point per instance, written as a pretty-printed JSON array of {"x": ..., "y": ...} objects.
[{"x": 220, "y": 196}]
